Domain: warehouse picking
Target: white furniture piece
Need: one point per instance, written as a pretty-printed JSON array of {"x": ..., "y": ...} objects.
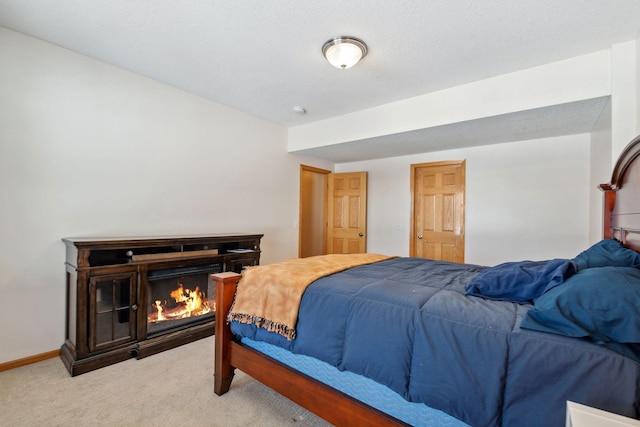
[{"x": 585, "y": 416}]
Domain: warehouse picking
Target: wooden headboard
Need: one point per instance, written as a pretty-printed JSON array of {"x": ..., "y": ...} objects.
[{"x": 622, "y": 198}]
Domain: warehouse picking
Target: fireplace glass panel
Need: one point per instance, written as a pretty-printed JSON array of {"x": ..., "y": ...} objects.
[{"x": 179, "y": 297}]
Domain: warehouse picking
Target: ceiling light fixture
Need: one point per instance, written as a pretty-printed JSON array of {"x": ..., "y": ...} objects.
[{"x": 344, "y": 52}]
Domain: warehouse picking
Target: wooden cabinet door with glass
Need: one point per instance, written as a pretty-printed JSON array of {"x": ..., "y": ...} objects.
[{"x": 112, "y": 310}]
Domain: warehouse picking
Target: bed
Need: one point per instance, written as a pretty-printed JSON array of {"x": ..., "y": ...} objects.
[{"x": 476, "y": 347}]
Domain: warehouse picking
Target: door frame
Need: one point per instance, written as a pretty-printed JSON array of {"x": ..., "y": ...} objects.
[{"x": 325, "y": 173}]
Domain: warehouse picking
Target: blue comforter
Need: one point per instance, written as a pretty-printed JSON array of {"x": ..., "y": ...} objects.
[{"x": 407, "y": 323}]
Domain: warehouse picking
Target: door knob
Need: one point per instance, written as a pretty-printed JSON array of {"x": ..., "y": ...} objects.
[
  {"x": 420, "y": 236},
  {"x": 360, "y": 234}
]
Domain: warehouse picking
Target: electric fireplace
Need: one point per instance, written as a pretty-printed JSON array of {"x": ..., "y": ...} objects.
[
  {"x": 180, "y": 296},
  {"x": 137, "y": 296}
]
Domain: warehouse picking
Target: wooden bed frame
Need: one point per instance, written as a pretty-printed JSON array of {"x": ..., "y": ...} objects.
[
  {"x": 621, "y": 220},
  {"x": 621, "y": 217}
]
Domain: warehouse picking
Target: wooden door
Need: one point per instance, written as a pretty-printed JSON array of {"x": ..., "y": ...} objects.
[
  {"x": 347, "y": 213},
  {"x": 312, "y": 230},
  {"x": 437, "y": 222}
]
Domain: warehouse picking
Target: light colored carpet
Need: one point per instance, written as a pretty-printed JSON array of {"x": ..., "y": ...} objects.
[{"x": 172, "y": 388}]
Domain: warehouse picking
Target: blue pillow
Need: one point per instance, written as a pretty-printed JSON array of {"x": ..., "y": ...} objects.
[
  {"x": 521, "y": 281},
  {"x": 600, "y": 303},
  {"x": 608, "y": 252}
]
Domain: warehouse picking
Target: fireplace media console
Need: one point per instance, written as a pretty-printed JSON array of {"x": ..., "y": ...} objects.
[{"x": 136, "y": 296}]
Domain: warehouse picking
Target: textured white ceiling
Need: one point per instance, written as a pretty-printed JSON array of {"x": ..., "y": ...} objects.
[{"x": 264, "y": 56}]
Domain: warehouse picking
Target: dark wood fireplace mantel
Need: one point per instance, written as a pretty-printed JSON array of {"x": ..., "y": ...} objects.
[{"x": 107, "y": 292}]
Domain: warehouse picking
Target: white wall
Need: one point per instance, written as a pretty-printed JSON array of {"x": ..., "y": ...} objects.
[
  {"x": 90, "y": 149},
  {"x": 637, "y": 98},
  {"x": 600, "y": 169},
  {"x": 524, "y": 200},
  {"x": 624, "y": 102}
]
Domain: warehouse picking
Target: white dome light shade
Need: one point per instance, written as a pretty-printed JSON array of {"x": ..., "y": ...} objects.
[{"x": 344, "y": 52}]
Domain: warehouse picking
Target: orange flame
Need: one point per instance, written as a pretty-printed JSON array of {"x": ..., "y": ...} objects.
[
  {"x": 159, "y": 308},
  {"x": 188, "y": 304}
]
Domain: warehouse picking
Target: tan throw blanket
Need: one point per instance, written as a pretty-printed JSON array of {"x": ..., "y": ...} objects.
[{"x": 269, "y": 295}]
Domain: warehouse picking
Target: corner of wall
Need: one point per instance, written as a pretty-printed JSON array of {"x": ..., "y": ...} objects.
[
  {"x": 625, "y": 95},
  {"x": 600, "y": 159},
  {"x": 637, "y": 73}
]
